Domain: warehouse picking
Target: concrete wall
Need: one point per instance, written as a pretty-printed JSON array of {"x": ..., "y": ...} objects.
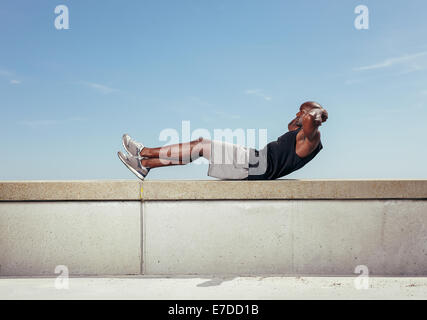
[
  {"x": 88, "y": 237},
  {"x": 285, "y": 237},
  {"x": 318, "y": 227}
]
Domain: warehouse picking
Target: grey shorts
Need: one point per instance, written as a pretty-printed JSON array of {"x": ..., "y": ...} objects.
[{"x": 228, "y": 161}]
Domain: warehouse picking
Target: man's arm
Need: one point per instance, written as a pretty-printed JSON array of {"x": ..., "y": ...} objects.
[
  {"x": 309, "y": 127},
  {"x": 293, "y": 125},
  {"x": 311, "y": 122}
]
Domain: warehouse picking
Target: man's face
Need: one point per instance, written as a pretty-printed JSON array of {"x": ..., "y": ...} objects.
[{"x": 300, "y": 115}]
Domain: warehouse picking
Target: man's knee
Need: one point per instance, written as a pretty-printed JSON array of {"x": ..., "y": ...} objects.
[
  {"x": 205, "y": 146},
  {"x": 201, "y": 148}
]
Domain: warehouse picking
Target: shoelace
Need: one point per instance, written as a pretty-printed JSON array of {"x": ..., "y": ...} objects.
[{"x": 138, "y": 145}]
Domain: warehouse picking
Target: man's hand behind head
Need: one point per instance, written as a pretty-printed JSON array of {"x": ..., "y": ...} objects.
[{"x": 318, "y": 115}]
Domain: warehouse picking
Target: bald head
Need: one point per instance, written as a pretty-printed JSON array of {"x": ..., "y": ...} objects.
[{"x": 309, "y": 105}]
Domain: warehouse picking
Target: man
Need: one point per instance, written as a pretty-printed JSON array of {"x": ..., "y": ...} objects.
[{"x": 227, "y": 161}]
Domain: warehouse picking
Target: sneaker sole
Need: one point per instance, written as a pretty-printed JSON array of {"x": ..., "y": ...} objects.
[{"x": 130, "y": 168}]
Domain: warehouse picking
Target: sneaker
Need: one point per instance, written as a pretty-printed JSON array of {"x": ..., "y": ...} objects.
[
  {"x": 131, "y": 146},
  {"x": 134, "y": 165}
]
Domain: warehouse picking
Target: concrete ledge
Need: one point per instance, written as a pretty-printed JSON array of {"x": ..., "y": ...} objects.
[
  {"x": 211, "y": 190},
  {"x": 284, "y": 189},
  {"x": 70, "y": 190}
]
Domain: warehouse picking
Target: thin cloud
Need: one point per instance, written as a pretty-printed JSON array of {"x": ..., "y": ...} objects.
[
  {"x": 11, "y": 75},
  {"x": 38, "y": 123},
  {"x": 392, "y": 61},
  {"x": 413, "y": 68},
  {"x": 99, "y": 87},
  {"x": 5, "y": 73},
  {"x": 258, "y": 93},
  {"x": 48, "y": 122}
]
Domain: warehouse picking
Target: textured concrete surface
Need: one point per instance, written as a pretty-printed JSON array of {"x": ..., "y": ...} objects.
[
  {"x": 205, "y": 190},
  {"x": 70, "y": 190},
  {"x": 317, "y": 237},
  {"x": 87, "y": 237},
  {"x": 285, "y": 189},
  {"x": 216, "y": 288}
]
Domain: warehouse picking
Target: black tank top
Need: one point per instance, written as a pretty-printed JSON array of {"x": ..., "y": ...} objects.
[{"x": 280, "y": 158}]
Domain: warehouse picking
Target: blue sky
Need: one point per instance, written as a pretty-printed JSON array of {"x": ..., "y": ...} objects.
[{"x": 67, "y": 96}]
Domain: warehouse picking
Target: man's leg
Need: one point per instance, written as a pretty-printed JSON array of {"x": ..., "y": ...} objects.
[
  {"x": 176, "y": 154},
  {"x": 156, "y": 162}
]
